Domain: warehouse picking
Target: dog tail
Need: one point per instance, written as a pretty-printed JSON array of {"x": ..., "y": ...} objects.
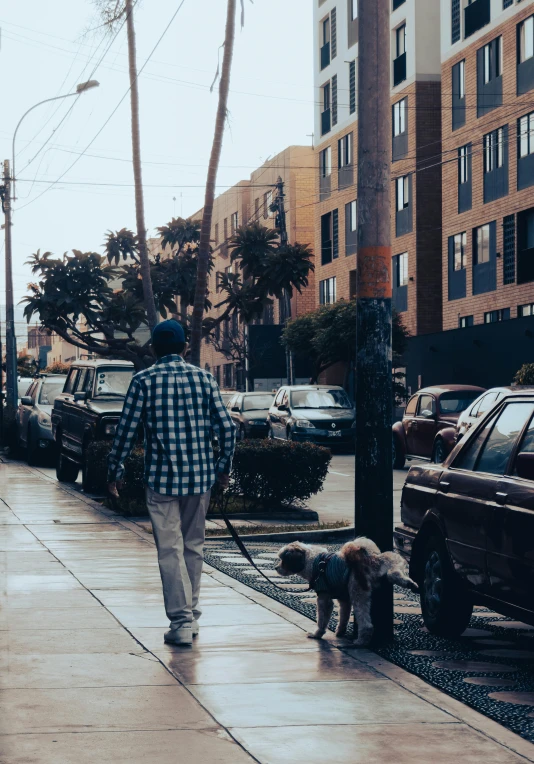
[{"x": 357, "y": 555}]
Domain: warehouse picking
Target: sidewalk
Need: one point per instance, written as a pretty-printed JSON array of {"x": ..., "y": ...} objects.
[{"x": 86, "y": 677}]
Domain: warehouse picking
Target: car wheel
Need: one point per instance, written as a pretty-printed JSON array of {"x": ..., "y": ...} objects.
[
  {"x": 66, "y": 470},
  {"x": 32, "y": 450},
  {"x": 90, "y": 478},
  {"x": 439, "y": 454},
  {"x": 398, "y": 458},
  {"x": 445, "y": 605}
]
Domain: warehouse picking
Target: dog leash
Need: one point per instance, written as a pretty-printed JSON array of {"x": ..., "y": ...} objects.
[{"x": 219, "y": 499}]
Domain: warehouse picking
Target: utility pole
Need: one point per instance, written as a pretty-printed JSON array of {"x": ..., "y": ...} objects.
[
  {"x": 374, "y": 474},
  {"x": 11, "y": 341},
  {"x": 282, "y": 227}
]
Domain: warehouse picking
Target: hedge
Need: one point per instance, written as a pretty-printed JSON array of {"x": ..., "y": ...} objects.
[{"x": 266, "y": 475}]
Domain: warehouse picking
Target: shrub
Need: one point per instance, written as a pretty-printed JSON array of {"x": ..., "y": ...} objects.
[
  {"x": 58, "y": 368},
  {"x": 132, "y": 494},
  {"x": 273, "y": 473},
  {"x": 525, "y": 375}
]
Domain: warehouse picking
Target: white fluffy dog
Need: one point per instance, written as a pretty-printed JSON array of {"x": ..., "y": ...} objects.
[{"x": 348, "y": 576}]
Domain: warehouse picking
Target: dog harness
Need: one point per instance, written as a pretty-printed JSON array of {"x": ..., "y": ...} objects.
[{"x": 331, "y": 574}]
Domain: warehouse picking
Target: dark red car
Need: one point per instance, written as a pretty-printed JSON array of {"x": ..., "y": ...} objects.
[
  {"x": 427, "y": 413},
  {"x": 467, "y": 526}
]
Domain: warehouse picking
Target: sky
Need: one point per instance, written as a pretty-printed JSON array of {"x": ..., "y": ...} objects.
[{"x": 48, "y": 48}]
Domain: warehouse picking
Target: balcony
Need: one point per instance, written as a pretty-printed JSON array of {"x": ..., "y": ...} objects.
[
  {"x": 399, "y": 69},
  {"x": 326, "y": 123},
  {"x": 325, "y": 55},
  {"x": 477, "y": 15}
]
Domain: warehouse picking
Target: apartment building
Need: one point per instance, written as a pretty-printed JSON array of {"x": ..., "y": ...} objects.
[
  {"x": 251, "y": 200},
  {"x": 415, "y": 142},
  {"x": 488, "y": 160}
]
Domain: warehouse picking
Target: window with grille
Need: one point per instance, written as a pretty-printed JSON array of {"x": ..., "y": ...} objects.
[
  {"x": 327, "y": 291},
  {"x": 465, "y": 321},
  {"x": 456, "y": 21},
  {"x": 509, "y": 249},
  {"x": 506, "y": 4},
  {"x": 333, "y": 32},
  {"x": 492, "y": 316},
  {"x": 334, "y": 99},
  {"x": 525, "y": 310},
  {"x": 352, "y": 87}
]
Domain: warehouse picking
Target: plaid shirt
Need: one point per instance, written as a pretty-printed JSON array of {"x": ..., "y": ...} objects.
[{"x": 179, "y": 407}]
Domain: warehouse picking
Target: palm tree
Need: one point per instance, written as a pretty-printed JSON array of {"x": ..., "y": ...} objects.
[
  {"x": 112, "y": 12},
  {"x": 205, "y": 232},
  {"x": 182, "y": 237}
]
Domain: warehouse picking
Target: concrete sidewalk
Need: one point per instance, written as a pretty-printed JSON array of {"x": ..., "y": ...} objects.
[{"x": 86, "y": 677}]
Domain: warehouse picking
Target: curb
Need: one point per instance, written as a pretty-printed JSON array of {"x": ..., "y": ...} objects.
[
  {"x": 334, "y": 534},
  {"x": 306, "y": 515}
]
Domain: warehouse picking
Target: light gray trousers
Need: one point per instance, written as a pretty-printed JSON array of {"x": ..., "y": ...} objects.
[{"x": 179, "y": 524}]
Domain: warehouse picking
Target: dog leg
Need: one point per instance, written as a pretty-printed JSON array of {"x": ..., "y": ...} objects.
[
  {"x": 400, "y": 578},
  {"x": 362, "y": 613},
  {"x": 396, "y": 571},
  {"x": 325, "y": 606},
  {"x": 344, "y": 617}
]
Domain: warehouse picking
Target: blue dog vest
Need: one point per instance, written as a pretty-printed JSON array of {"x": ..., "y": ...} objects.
[{"x": 331, "y": 575}]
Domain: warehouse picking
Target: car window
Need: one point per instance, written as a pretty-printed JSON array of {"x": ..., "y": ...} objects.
[
  {"x": 88, "y": 381},
  {"x": 486, "y": 403},
  {"x": 426, "y": 403},
  {"x": 497, "y": 449},
  {"x": 320, "y": 399},
  {"x": 49, "y": 392},
  {"x": 113, "y": 381},
  {"x": 79, "y": 385},
  {"x": 527, "y": 444},
  {"x": 468, "y": 455},
  {"x": 71, "y": 381},
  {"x": 457, "y": 401},
  {"x": 23, "y": 386},
  {"x": 31, "y": 390},
  {"x": 257, "y": 402},
  {"x": 412, "y": 406},
  {"x": 238, "y": 401},
  {"x": 285, "y": 399},
  {"x": 230, "y": 402},
  {"x": 279, "y": 396}
]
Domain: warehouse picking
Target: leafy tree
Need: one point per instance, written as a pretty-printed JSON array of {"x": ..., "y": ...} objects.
[
  {"x": 26, "y": 366},
  {"x": 58, "y": 367},
  {"x": 327, "y": 336},
  {"x": 525, "y": 375},
  {"x": 182, "y": 237},
  {"x": 205, "y": 234}
]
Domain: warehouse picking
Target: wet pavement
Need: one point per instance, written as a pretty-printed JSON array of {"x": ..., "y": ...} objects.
[{"x": 86, "y": 677}]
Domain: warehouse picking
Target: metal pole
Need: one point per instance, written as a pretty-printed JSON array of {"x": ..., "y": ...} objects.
[
  {"x": 282, "y": 227},
  {"x": 11, "y": 341},
  {"x": 374, "y": 475}
]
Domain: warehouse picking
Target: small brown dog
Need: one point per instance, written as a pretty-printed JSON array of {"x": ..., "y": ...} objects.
[{"x": 348, "y": 576}]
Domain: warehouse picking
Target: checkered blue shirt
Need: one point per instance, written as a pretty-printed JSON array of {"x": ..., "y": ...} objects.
[{"x": 179, "y": 406}]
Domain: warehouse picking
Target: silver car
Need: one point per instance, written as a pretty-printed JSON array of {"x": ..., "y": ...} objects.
[{"x": 34, "y": 425}]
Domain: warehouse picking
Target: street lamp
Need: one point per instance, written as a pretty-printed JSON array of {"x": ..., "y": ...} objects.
[{"x": 7, "y": 198}]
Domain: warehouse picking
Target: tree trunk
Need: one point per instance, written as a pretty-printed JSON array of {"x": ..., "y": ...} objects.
[
  {"x": 183, "y": 311},
  {"x": 148, "y": 295},
  {"x": 205, "y": 231}
]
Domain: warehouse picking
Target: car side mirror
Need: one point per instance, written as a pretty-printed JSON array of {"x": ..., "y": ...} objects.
[
  {"x": 26, "y": 400},
  {"x": 524, "y": 464},
  {"x": 81, "y": 396},
  {"x": 236, "y": 409},
  {"x": 427, "y": 414}
]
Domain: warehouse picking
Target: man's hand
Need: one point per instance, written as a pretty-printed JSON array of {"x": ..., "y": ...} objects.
[
  {"x": 114, "y": 488},
  {"x": 223, "y": 479}
]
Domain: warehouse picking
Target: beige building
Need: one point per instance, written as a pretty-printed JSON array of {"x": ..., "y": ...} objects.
[{"x": 248, "y": 201}]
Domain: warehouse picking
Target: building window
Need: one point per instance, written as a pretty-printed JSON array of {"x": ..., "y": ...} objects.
[
  {"x": 493, "y": 150},
  {"x": 461, "y": 79},
  {"x": 216, "y": 234},
  {"x": 325, "y": 42},
  {"x": 334, "y": 99},
  {"x": 325, "y": 162},
  {"x": 351, "y": 228},
  {"x": 508, "y": 257},
  {"x": 402, "y": 270},
  {"x": 489, "y": 76},
  {"x": 403, "y": 192},
  {"x": 399, "y": 117},
  {"x": 477, "y": 14},
  {"x": 228, "y": 375},
  {"x": 329, "y": 237},
  {"x": 256, "y": 208},
  {"x": 526, "y": 39},
  {"x": 465, "y": 321},
  {"x": 464, "y": 176},
  {"x": 344, "y": 148},
  {"x": 400, "y": 281},
  {"x": 525, "y": 135},
  {"x": 482, "y": 244},
  {"x": 352, "y": 87},
  {"x": 327, "y": 291},
  {"x": 455, "y": 21},
  {"x": 352, "y": 208},
  {"x": 525, "y": 246},
  {"x": 218, "y": 375},
  {"x": 507, "y": 4},
  {"x": 397, "y": 4},
  {"x": 458, "y": 95},
  {"x": 234, "y": 221},
  {"x": 399, "y": 64},
  {"x": 460, "y": 243},
  {"x": 525, "y": 310},
  {"x": 325, "y": 114},
  {"x": 225, "y": 228},
  {"x": 495, "y": 146},
  {"x": 492, "y": 316},
  {"x": 353, "y": 9},
  {"x": 267, "y": 203}
]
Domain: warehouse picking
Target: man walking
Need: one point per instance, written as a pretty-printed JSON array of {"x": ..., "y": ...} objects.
[{"x": 179, "y": 407}]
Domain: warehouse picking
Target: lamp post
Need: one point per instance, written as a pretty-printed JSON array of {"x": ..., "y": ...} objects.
[{"x": 8, "y": 196}]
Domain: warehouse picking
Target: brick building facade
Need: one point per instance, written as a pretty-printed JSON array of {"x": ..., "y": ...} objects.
[{"x": 488, "y": 170}]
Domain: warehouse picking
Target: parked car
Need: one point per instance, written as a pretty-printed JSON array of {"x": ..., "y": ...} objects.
[
  {"x": 34, "y": 423},
  {"x": 227, "y": 395},
  {"x": 321, "y": 414},
  {"x": 429, "y": 412},
  {"x": 249, "y": 413},
  {"x": 468, "y": 524},
  {"x": 88, "y": 409}
]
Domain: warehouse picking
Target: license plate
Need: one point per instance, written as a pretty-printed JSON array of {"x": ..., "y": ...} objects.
[{"x": 336, "y": 434}]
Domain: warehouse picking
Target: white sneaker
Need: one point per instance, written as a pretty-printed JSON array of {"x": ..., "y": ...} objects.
[
  {"x": 195, "y": 628},
  {"x": 181, "y": 636}
]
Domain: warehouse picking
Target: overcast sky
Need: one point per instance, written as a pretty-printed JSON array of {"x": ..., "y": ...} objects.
[{"x": 47, "y": 48}]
